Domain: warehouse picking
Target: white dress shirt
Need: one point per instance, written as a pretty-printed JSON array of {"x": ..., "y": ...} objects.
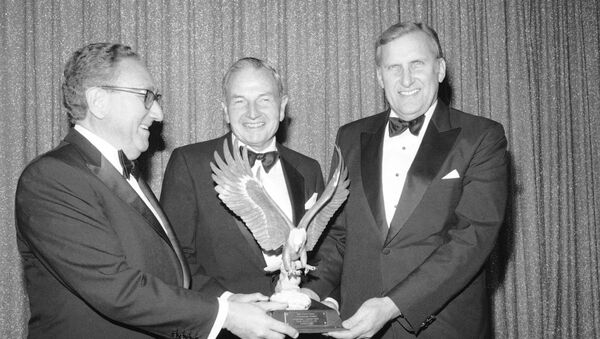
[{"x": 398, "y": 155}]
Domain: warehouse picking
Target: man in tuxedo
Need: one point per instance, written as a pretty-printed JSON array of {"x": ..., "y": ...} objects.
[
  {"x": 100, "y": 257},
  {"x": 427, "y": 197},
  {"x": 221, "y": 250}
]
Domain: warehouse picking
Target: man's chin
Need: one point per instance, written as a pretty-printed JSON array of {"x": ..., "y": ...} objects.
[
  {"x": 257, "y": 143},
  {"x": 133, "y": 154}
]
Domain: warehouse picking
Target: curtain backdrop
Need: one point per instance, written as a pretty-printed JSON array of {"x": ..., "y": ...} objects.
[{"x": 531, "y": 65}]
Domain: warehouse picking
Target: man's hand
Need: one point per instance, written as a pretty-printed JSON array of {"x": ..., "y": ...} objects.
[
  {"x": 248, "y": 298},
  {"x": 259, "y": 300},
  {"x": 249, "y": 320},
  {"x": 368, "y": 319},
  {"x": 329, "y": 302}
]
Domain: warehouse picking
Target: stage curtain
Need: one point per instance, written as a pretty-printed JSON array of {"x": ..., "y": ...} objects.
[{"x": 531, "y": 65}]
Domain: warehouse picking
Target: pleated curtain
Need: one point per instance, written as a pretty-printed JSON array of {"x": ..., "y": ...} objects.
[{"x": 534, "y": 66}]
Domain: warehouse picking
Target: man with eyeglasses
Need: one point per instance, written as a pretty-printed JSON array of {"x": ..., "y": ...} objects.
[{"x": 100, "y": 257}]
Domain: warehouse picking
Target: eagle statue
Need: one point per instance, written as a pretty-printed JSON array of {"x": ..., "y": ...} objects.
[{"x": 243, "y": 193}]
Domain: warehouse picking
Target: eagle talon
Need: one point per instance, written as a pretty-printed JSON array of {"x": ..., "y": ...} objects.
[{"x": 309, "y": 268}]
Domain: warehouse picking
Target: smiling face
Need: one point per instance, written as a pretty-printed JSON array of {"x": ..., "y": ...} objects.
[
  {"x": 126, "y": 121},
  {"x": 410, "y": 73},
  {"x": 253, "y": 107}
]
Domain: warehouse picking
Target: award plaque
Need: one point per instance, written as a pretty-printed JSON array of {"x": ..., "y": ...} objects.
[{"x": 317, "y": 319}]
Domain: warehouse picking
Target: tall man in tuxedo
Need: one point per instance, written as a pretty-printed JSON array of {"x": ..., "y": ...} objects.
[
  {"x": 427, "y": 198},
  {"x": 100, "y": 258},
  {"x": 223, "y": 254}
]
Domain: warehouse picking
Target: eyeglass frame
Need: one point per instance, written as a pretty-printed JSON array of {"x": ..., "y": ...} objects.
[{"x": 149, "y": 96}]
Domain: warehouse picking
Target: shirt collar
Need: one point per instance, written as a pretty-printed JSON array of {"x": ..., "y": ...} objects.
[
  {"x": 107, "y": 150},
  {"x": 272, "y": 145},
  {"x": 427, "y": 114}
]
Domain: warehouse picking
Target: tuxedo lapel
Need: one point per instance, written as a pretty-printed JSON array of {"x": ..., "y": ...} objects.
[
  {"x": 117, "y": 184},
  {"x": 172, "y": 240},
  {"x": 106, "y": 172},
  {"x": 371, "y": 156},
  {"x": 257, "y": 254},
  {"x": 437, "y": 142}
]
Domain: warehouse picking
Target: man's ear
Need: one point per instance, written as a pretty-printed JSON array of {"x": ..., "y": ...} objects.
[
  {"x": 97, "y": 101},
  {"x": 441, "y": 69},
  {"x": 225, "y": 113},
  {"x": 282, "y": 106}
]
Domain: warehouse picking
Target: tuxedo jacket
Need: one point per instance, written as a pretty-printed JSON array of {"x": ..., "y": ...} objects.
[
  {"x": 97, "y": 262},
  {"x": 429, "y": 261},
  {"x": 221, "y": 251}
]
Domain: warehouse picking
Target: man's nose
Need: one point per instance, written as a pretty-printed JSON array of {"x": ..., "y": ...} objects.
[
  {"x": 252, "y": 111},
  {"x": 156, "y": 112},
  {"x": 406, "y": 78}
]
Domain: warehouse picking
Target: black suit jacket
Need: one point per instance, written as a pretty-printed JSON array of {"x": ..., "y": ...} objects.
[
  {"x": 221, "y": 251},
  {"x": 97, "y": 262},
  {"x": 429, "y": 261}
]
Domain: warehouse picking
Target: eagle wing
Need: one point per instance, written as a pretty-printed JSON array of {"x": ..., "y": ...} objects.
[
  {"x": 245, "y": 196},
  {"x": 316, "y": 218}
]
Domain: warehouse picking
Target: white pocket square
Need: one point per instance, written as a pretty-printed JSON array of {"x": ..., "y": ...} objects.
[
  {"x": 310, "y": 202},
  {"x": 452, "y": 175}
]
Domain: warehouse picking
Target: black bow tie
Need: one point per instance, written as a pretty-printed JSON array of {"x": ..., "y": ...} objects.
[
  {"x": 268, "y": 159},
  {"x": 129, "y": 166},
  {"x": 398, "y": 125}
]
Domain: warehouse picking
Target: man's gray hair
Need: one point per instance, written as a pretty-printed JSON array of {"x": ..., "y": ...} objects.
[
  {"x": 256, "y": 64},
  {"x": 89, "y": 66},
  {"x": 396, "y": 31}
]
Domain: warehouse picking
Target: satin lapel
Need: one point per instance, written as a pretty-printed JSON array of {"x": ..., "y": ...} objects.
[
  {"x": 105, "y": 171},
  {"x": 254, "y": 247},
  {"x": 295, "y": 186},
  {"x": 371, "y": 150},
  {"x": 113, "y": 179},
  {"x": 434, "y": 149},
  {"x": 185, "y": 271},
  {"x": 119, "y": 186}
]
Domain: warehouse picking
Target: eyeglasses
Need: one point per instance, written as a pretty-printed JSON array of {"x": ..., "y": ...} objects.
[{"x": 149, "y": 96}]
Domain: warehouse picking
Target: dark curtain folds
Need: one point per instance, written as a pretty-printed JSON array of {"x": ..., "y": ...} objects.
[{"x": 532, "y": 65}]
